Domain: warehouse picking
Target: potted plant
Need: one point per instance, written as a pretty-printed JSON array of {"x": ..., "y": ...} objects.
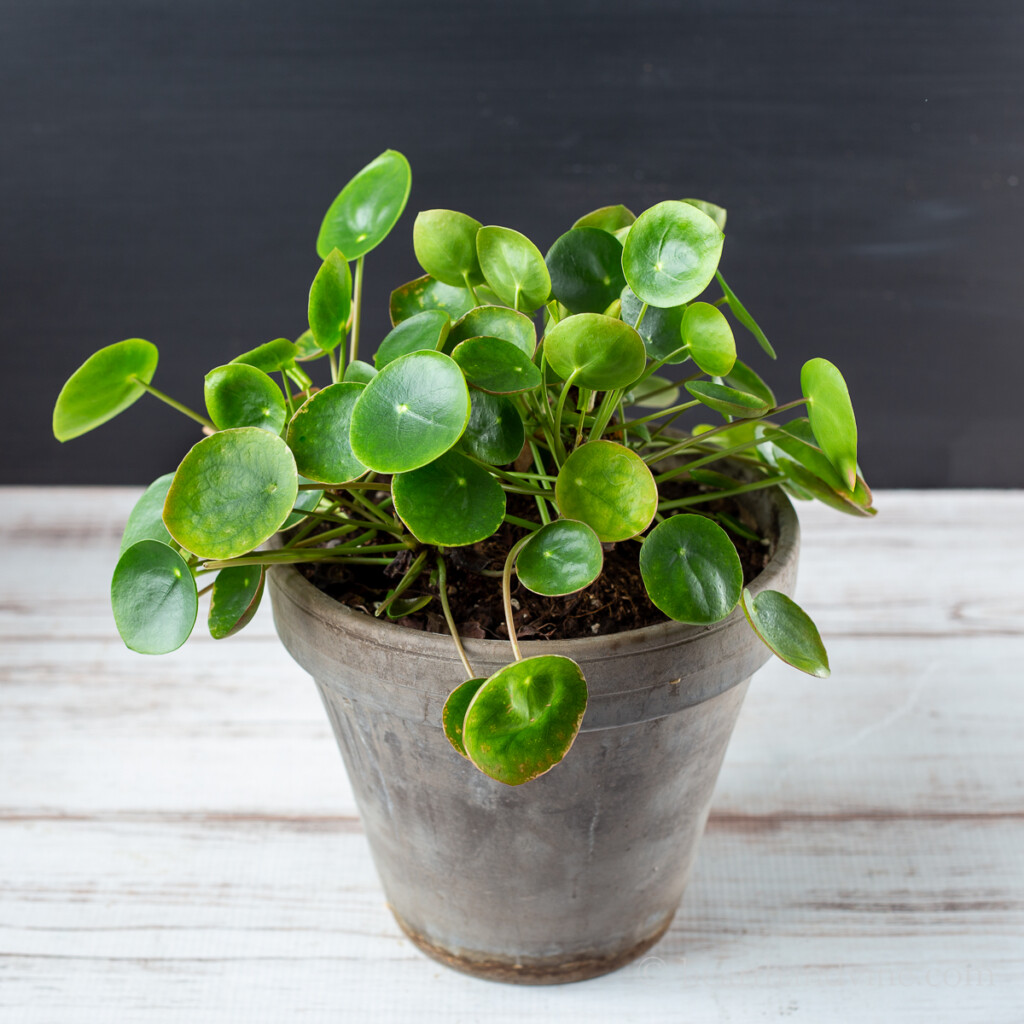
[{"x": 497, "y": 446}]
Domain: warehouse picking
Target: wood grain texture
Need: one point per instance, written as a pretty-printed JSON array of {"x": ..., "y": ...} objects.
[{"x": 178, "y": 840}]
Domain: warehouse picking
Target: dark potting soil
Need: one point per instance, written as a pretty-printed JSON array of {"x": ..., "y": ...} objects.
[{"x": 616, "y": 602}]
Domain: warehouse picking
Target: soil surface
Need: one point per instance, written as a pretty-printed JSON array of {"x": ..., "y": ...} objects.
[{"x": 614, "y": 603}]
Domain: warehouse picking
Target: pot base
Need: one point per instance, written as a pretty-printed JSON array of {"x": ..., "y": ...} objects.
[{"x": 531, "y": 971}]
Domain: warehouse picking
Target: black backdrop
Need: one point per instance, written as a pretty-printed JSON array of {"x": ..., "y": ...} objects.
[{"x": 165, "y": 165}]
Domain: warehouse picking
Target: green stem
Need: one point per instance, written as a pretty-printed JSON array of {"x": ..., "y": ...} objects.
[
  {"x": 604, "y": 412},
  {"x": 558, "y": 413},
  {"x": 639, "y": 319},
  {"x": 442, "y": 586},
  {"x": 524, "y": 523},
  {"x": 332, "y": 358},
  {"x": 404, "y": 583},
  {"x": 289, "y": 555},
  {"x": 714, "y": 457},
  {"x": 657, "y": 415},
  {"x": 472, "y": 291},
  {"x": 696, "y": 499},
  {"x": 506, "y": 594},
  {"x": 357, "y": 302},
  {"x": 542, "y": 503},
  {"x": 174, "y": 404}
]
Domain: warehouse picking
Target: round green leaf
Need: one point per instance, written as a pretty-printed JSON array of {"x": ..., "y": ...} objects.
[
  {"x": 660, "y": 328},
  {"x": 153, "y": 594},
  {"x": 524, "y": 718},
  {"x": 358, "y": 372},
  {"x": 513, "y": 267},
  {"x": 707, "y": 332},
  {"x": 104, "y": 385},
  {"x": 454, "y": 712},
  {"x": 831, "y": 415},
  {"x": 671, "y": 253},
  {"x": 318, "y": 435},
  {"x": 741, "y": 314},
  {"x": 494, "y": 322},
  {"x": 585, "y": 265},
  {"x": 231, "y": 492},
  {"x": 601, "y": 352},
  {"x": 728, "y": 401},
  {"x": 330, "y": 301},
  {"x": 426, "y": 293},
  {"x": 560, "y": 558},
  {"x": 497, "y": 366},
  {"x": 607, "y": 218},
  {"x": 236, "y": 595},
  {"x": 445, "y": 245},
  {"x": 608, "y": 487},
  {"x": 787, "y": 631},
  {"x": 367, "y": 208},
  {"x": 145, "y": 521},
  {"x": 691, "y": 569},
  {"x": 495, "y": 433},
  {"x": 716, "y": 213},
  {"x": 239, "y": 395},
  {"x": 306, "y": 349},
  {"x": 743, "y": 378},
  {"x": 422, "y": 332},
  {"x": 450, "y": 502},
  {"x": 413, "y": 411},
  {"x": 279, "y": 354}
]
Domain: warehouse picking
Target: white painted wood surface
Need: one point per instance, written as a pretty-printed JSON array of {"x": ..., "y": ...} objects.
[{"x": 178, "y": 841}]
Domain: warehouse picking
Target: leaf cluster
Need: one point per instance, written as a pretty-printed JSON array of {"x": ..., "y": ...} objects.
[{"x": 507, "y": 371}]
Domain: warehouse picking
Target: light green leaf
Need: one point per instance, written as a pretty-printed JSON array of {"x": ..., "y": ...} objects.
[
  {"x": 330, "y": 301},
  {"x": 445, "y": 245},
  {"x": 787, "y": 631},
  {"x": 513, "y": 267}
]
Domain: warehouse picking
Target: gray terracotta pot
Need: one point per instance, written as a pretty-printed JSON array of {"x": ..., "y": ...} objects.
[{"x": 580, "y": 871}]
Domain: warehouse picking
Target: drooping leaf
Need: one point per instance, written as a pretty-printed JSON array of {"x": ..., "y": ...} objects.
[
  {"x": 513, "y": 267},
  {"x": 318, "y": 435},
  {"x": 691, "y": 569},
  {"x": 608, "y": 487},
  {"x": 413, "y": 411},
  {"x": 449, "y": 502},
  {"x": 671, "y": 253},
  {"x": 422, "y": 332},
  {"x": 236, "y": 595},
  {"x": 426, "y": 293},
  {"x": 831, "y": 414},
  {"x": 796, "y": 440},
  {"x": 239, "y": 395},
  {"x": 445, "y": 245},
  {"x": 495, "y": 365},
  {"x": 494, "y": 322},
  {"x": 367, "y": 208},
  {"x": 495, "y": 433},
  {"x": 659, "y": 328},
  {"x": 231, "y": 492},
  {"x": 585, "y": 265},
  {"x": 146, "y": 521},
  {"x": 607, "y": 218},
  {"x": 709, "y": 337},
  {"x": 522, "y": 721},
  {"x": 330, "y": 301},
  {"x": 454, "y": 712},
  {"x": 728, "y": 401},
  {"x": 787, "y": 631},
  {"x": 104, "y": 385},
  {"x": 560, "y": 558},
  {"x": 602, "y": 352},
  {"x": 154, "y": 598},
  {"x": 741, "y": 314}
]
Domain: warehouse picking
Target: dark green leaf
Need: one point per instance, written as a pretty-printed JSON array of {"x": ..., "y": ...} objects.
[
  {"x": 497, "y": 366},
  {"x": 524, "y": 718},
  {"x": 787, "y": 631},
  {"x": 146, "y": 520},
  {"x": 660, "y": 328},
  {"x": 318, "y": 435},
  {"x": 425, "y": 293},
  {"x": 454, "y": 713},
  {"x": 691, "y": 569},
  {"x": 728, "y": 401},
  {"x": 494, "y": 322},
  {"x": 585, "y": 265},
  {"x": 560, "y": 558},
  {"x": 743, "y": 378},
  {"x": 495, "y": 433},
  {"x": 741, "y": 314},
  {"x": 236, "y": 596}
]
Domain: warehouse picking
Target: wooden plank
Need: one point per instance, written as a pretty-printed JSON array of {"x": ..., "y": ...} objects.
[{"x": 178, "y": 840}]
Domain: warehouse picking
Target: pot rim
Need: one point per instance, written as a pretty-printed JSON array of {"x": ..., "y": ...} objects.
[{"x": 325, "y": 608}]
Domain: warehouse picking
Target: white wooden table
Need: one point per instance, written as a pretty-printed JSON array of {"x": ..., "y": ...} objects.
[{"x": 178, "y": 841}]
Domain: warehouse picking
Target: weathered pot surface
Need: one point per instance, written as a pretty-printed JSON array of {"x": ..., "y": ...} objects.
[{"x": 580, "y": 871}]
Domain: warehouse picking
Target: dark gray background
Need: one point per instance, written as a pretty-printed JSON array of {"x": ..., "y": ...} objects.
[{"x": 165, "y": 166}]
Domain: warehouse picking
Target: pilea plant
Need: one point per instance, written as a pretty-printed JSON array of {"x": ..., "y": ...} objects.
[{"x": 395, "y": 463}]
